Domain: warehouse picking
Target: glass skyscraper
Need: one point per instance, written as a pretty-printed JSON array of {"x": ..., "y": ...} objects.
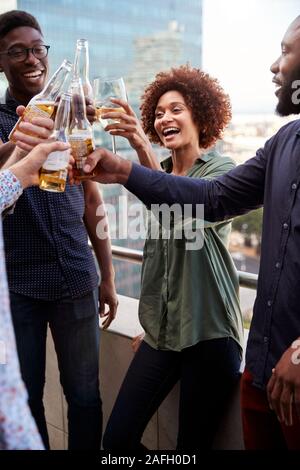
[{"x": 113, "y": 26}]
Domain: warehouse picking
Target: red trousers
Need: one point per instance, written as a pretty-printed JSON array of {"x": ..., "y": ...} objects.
[{"x": 262, "y": 429}]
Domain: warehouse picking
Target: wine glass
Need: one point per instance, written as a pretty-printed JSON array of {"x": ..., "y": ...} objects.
[{"x": 104, "y": 90}]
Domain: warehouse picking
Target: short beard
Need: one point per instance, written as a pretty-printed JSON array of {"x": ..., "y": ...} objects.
[{"x": 289, "y": 97}]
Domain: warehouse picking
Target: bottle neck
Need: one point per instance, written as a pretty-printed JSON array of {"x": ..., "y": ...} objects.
[
  {"x": 61, "y": 123},
  {"x": 81, "y": 67},
  {"x": 79, "y": 119},
  {"x": 55, "y": 85}
]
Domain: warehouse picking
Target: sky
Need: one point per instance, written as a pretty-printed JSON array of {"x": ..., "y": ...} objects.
[{"x": 241, "y": 39}]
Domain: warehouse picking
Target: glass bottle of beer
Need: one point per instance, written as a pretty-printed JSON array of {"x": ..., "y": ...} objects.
[
  {"x": 53, "y": 174},
  {"x": 44, "y": 104},
  {"x": 80, "y": 134},
  {"x": 81, "y": 67}
]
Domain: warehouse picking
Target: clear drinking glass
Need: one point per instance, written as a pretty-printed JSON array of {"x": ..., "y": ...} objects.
[{"x": 104, "y": 90}]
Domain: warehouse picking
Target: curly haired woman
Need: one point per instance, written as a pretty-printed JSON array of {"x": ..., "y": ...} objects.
[{"x": 189, "y": 306}]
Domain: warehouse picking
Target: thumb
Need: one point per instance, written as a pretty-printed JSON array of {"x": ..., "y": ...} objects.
[
  {"x": 93, "y": 159},
  {"x": 20, "y": 110},
  {"x": 41, "y": 151},
  {"x": 54, "y": 146}
]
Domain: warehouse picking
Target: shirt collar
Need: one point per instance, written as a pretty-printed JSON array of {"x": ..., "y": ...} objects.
[{"x": 206, "y": 157}]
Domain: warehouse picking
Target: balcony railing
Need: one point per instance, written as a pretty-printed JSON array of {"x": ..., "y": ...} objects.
[{"x": 247, "y": 280}]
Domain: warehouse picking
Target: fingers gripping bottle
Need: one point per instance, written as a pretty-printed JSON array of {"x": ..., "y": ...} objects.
[
  {"x": 53, "y": 174},
  {"x": 44, "y": 104},
  {"x": 80, "y": 134}
]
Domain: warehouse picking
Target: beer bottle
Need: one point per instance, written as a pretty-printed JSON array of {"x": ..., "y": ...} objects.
[
  {"x": 80, "y": 134},
  {"x": 53, "y": 174},
  {"x": 44, "y": 104},
  {"x": 81, "y": 67}
]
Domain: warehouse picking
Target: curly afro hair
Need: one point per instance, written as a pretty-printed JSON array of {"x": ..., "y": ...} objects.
[{"x": 209, "y": 105}]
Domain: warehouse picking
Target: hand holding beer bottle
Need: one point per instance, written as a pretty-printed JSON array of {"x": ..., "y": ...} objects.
[{"x": 30, "y": 134}]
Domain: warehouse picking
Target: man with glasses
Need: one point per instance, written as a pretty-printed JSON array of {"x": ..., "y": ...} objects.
[
  {"x": 51, "y": 271},
  {"x": 19, "y": 54},
  {"x": 22, "y": 86}
]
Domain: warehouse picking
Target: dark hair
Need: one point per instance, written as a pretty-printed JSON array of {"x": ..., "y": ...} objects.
[
  {"x": 14, "y": 19},
  {"x": 209, "y": 105}
]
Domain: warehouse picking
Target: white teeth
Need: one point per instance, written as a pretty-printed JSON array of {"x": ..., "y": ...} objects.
[
  {"x": 33, "y": 75},
  {"x": 170, "y": 129}
]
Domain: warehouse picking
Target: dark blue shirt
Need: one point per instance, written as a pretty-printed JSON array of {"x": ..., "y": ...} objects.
[
  {"x": 46, "y": 243},
  {"x": 270, "y": 179}
]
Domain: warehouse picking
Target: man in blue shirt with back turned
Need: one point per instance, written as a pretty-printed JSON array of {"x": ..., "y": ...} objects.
[
  {"x": 51, "y": 271},
  {"x": 271, "y": 381}
]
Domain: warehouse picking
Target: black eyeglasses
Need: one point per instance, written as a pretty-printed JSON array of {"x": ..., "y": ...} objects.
[{"x": 18, "y": 54}]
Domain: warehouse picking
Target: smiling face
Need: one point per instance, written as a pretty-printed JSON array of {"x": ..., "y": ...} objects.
[
  {"x": 26, "y": 78},
  {"x": 174, "y": 123},
  {"x": 286, "y": 71}
]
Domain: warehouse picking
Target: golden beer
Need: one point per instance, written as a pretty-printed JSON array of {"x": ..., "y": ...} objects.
[
  {"x": 81, "y": 147},
  {"x": 37, "y": 109},
  {"x": 100, "y": 110},
  {"x": 53, "y": 180}
]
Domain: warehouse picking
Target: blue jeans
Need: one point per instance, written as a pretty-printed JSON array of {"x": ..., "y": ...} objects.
[
  {"x": 75, "y": 331},
  {"x": 207, "y": 373}
]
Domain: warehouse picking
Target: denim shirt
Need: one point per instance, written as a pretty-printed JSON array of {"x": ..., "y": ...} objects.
[
  {"x": 271, "y": 179},
  {"x": 17, "y": 427},
  {"x": 46, "y": 242}
]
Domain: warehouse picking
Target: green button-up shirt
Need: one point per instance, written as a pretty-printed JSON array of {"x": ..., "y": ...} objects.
[{"x": 189, "y": 296}]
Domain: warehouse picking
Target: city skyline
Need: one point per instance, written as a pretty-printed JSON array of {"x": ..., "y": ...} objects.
[{"x": 239, "y": 43}]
